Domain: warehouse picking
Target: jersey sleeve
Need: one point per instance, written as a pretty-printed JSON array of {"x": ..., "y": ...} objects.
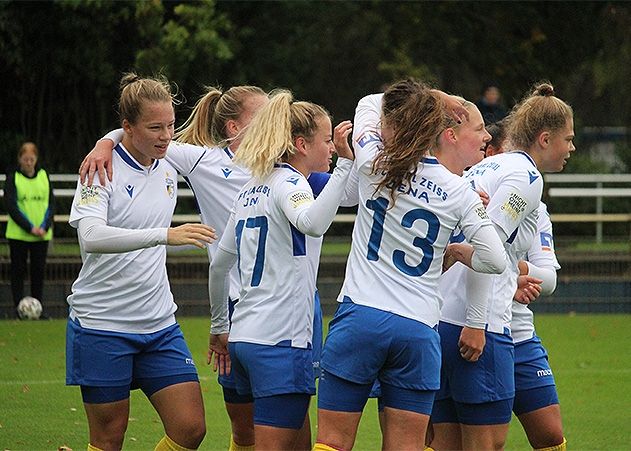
[
  {"x": 309, "y": 216},
  {"x": 517, "y": 196},
  {"x": 228, "y": 242},
  {"x": 185, "y": 157},
  {"x": 90, "y": 201},
  {"x": 366, "y": 132}
]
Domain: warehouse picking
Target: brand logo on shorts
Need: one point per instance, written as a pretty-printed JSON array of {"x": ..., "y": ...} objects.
[
  {"x": 189, "y": 362},
  {"x": 543, "y": 373}
]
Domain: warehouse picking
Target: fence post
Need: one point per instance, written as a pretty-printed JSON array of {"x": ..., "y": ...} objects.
[{"x": 599, "y": 210}]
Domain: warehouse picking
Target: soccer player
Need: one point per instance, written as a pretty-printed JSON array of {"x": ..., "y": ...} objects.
[
  {"x": 275, "y": 226},
  {"x": 536, "y": 401},
  {"x": 207, "y": 143},
  {"x": 122, "y": 333},
  {"x": 384, "y": 326},
  {"x": 473, "y": 407}
]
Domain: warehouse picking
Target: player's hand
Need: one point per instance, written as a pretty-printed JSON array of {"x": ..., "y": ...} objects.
[
  {"x": 340, "y": 139},
  {"x": 196, "y": 234},
  {"x": 98, "y": 160},
  {"x": 471, "y": 343},
  {"x": 453, "y": 106},
  {"x": 528, "y": 289},
  {"x": 218, "y": 347},
  {"x": 484, "y": 197}
]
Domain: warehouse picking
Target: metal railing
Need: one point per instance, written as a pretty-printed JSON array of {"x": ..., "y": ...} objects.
[{"x": 598, "y": 192}]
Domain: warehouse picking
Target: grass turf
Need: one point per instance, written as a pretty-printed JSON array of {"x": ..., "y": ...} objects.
[{"x": 588, "y": 354}]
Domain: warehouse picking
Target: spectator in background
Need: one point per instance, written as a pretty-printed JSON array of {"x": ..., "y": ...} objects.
[
  {"x": 29, "y": 201},
  {"x": 490, "y": 104}
]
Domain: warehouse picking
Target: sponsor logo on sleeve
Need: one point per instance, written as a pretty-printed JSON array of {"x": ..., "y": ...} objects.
[
  {"x": 546, "y": 241},
  {"x": 300, "y": 198},
  {"x": 481, "y": 212},
  {"x": 89, "y": 195},
  {"x": 514, "y": 206}
]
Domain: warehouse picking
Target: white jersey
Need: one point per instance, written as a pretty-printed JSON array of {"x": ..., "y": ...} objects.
[
  {"x": 126, "y": 292},
  {"x": 397, "y": 251},
  {"x": 514, "y": 185},
  {"x": 275, "y": 260},
  {"x": 215, "y": 181},
  {"x": 541, "y": 254}
]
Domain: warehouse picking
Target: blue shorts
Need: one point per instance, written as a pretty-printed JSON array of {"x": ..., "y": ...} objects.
[
  {"x": 534, "y": 382},
  {"x": 263, "y": 370},
  {"x": 98, "y": 358},
  {"x": 366, "y": 343},
  {"x": 532, "y": 369},
  {"x": 486, "y": 413},
  {"x": 228, "y": 383},
  {"x": 338, "y": 394},
  {"x": 491, "y": 378}
]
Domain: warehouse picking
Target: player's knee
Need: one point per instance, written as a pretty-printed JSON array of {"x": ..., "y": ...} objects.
[{"x": 552, "y": 441}]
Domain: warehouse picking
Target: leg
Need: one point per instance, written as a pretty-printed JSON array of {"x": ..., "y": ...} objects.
[
  {"x": 107, "y": 423},
  {"x": 39, "y": 251},
  {"x": 303, "y": 442},
  {"x": 242, "y": 423},
  {"x": 543, "y": 426},
  {"x": 484, "y": 437},
  {"x": 18, "y": 251},
  {"x": 446, "y": 426},
  {"x": 181, "y": 409},
  {"x": 279, "y": 421},
  {"x": 337, "y": 429},
  {"x": 447, "y": 436},
  {"x": 397, "y": 426}
]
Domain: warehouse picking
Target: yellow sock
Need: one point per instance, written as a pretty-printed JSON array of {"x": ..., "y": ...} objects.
[
  {"x": 166, "y": 444},
  {"x": 561, "y": 447},
  {"x": 91, "y": 447},
  {"x": 235, "y": 447},
  {"x": 428, "y": 448},
  {"x": 323, "y": 447}
]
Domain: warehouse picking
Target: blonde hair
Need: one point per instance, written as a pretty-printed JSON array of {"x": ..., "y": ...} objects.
[
  {"x": 271, "y": 134},
  {"x": 416, "y": 116},
  {"x": 206, "y": 126},
  {"x": 539, "y": 111},
  {"x": 136, "y": 90}
]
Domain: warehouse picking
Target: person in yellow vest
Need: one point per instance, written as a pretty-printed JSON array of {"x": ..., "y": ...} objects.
[{"x": 30, "y": 203}]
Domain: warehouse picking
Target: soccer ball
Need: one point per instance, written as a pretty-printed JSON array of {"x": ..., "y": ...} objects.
[{"x": 29, "y": 308}]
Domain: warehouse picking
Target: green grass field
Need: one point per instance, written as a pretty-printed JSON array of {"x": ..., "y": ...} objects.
[{"x": 589, "y": 355}]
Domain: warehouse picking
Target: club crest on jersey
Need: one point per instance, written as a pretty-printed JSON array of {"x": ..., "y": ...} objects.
[
  {"x": 130, "y": 190},
  {"x": 368, "y": 137},
  {"x": 293, "y": 180},
  {"x": 533, "y": 175},
  {"x": 170, "y": 185},
  {"x": 226, "y": 172}
]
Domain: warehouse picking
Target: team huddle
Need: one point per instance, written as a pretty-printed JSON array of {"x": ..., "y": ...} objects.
[{"x": 450, "y": 244}]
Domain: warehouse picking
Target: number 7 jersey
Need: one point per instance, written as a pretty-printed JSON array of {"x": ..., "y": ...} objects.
[{"x": 397, "y": 250}]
